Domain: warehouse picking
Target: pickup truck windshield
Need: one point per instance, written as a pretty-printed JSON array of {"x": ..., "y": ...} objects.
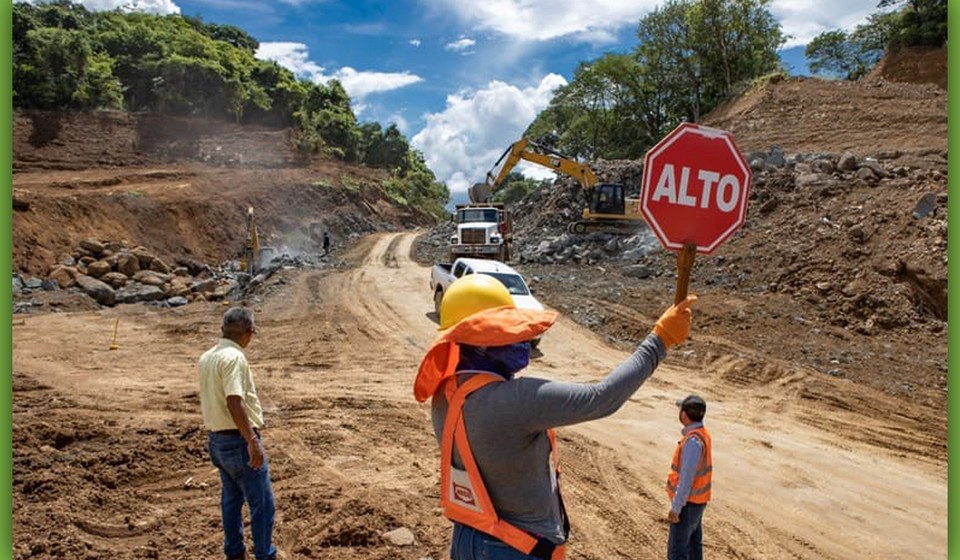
[
  {"x": 513, "y": 283},
  {"x": 478, "y": 215}
]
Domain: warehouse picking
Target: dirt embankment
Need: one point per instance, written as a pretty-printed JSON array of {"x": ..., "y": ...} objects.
[{"x": 181, "y": 187}]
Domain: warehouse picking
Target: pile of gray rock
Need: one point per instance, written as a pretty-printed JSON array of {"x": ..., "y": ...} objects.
[
  {"x": 542, "y": 217},
  {"x": 112, "y": 273}
]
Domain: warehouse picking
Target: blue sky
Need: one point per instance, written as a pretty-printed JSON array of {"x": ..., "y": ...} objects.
[{"x": 462, "y": 78}]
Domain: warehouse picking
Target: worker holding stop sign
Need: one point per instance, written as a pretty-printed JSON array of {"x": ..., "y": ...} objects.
[{"x": 696, "y": 184}]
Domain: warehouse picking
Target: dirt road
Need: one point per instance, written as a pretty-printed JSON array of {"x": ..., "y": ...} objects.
[{"x": 110, "y": 460}]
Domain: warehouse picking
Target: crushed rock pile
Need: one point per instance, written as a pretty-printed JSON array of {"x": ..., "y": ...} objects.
[{"x": 862, "y": 239}]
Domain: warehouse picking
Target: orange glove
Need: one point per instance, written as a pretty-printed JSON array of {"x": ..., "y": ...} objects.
[{"x": 673, "y": 327}]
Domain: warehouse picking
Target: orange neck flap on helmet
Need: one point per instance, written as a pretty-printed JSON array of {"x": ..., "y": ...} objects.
[{"x": 498, "y": 326}]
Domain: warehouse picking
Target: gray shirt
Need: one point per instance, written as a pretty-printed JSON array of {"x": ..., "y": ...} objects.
[
  {"x": 506, "y": 425},
  {"x": 689, "y": 458}
]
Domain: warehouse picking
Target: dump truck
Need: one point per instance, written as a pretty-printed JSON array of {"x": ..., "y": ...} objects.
[{"x": 484, "y": 230}]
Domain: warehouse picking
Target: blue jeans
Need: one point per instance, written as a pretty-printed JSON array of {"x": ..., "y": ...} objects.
[
  {"x": 686, "y": 537},
  {"x": 240, "y": 483},
  {"x": 470, "y": 544}
]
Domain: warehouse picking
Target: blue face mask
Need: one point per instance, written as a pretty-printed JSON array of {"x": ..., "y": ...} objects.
[{"x": 502, "y": 360}]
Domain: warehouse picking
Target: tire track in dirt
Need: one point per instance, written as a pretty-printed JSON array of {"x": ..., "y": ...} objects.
[{"x": 353, "y": 455}]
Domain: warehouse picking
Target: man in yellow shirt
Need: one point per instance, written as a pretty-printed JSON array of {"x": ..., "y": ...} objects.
[{"x": 233, "y": 417}]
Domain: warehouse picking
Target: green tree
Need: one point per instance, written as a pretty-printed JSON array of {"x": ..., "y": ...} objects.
[
  {"x": 514, "y": 188},
  {"x": 66, "y": 57},
  {"x": 704, "y": 50},
  {"x": 851, "y": 56},
  {"x": 383, "y": 148},
  {"x": 692, "y": 55},
  {"x": 417, "y": 186},
  {"x": 832, "y": 52},
  {"x": 923, "y": 22},
  {"x": 599, "y": 113}
]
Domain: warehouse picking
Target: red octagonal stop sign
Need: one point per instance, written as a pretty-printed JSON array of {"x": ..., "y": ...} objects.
[{"x": 695, "y": 188}]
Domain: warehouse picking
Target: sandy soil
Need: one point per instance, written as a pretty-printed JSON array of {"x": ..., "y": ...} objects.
[
  {"x": 829, "y": 418},
  {"x": 110, "y": 460}
]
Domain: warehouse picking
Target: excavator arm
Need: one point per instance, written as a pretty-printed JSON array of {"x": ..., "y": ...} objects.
[
  {"x": 609, "y": 207},
  {"x": 525, "y": 150}
]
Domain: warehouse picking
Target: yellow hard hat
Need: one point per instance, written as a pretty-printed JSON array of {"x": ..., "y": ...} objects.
[{"x": 471, "y": 294}]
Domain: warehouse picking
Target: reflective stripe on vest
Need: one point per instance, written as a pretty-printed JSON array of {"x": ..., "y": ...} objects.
[
  {"x": 463, "y": 494},
  {"x": 700, "y": 490}
]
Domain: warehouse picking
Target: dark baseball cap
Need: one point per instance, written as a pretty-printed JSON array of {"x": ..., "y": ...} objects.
[{"x": 694, "y": 406}]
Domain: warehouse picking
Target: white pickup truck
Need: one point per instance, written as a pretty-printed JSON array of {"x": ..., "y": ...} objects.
[{"x": 444, "y": 274}]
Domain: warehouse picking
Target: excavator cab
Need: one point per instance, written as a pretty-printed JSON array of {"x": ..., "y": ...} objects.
[{"x": 607, "y": 198}]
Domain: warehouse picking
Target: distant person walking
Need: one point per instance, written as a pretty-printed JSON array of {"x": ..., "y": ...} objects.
[
  {"x": 233, "y": 417},
  {"x": 326, "y": 242},
  {"x": 688, "y": 483}
]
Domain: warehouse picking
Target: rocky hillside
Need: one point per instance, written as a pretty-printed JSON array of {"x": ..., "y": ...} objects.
[
  {"x": 841, "y": 266},
  {"x": 94, "y": 189}
]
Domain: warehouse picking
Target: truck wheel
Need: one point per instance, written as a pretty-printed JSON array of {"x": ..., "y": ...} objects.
[
  {"x": 437, "y": 298},
  {"x": 577, "y": 227}
]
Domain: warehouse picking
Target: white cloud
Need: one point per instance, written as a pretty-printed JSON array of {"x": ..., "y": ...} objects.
[
  {"x": 161, "y": 7},
  {"x": 296, "y": 58},
  {"x": 805, "y": 19},
  {"x": 542, "y": 20},
  {"x": 415, "y": 42},
  {"x": 597, "y": 21},
  {"x": 461, "y": 44},
  {"x": 292, "y": 56},
  {"x": 463, "y": 142},
  {"x": 361, "y": 84}
]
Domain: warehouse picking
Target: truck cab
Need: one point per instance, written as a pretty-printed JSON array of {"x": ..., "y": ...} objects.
[{"x": 484, "y": 230}]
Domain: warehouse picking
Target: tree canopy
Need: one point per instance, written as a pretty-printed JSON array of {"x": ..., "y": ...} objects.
[
  {"x": 692, "y": 55},
  {"x": 66, "y": 57},
  {"x": 852, "y": 55}
]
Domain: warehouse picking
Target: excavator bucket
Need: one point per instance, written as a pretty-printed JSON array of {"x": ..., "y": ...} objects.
[{"x": 480, "y": 192}]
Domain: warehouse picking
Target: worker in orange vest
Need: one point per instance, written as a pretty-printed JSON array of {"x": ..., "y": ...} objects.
[
  {"x": 688, "y": 483},
  {"x": 499, "y": 475}
]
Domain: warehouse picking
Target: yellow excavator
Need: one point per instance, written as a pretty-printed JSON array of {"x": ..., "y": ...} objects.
[
  {"x": 610, "y": 208},
  {"x": 249, "y": 258}
]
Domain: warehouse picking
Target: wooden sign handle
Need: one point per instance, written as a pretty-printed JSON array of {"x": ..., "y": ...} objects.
[{"x": 684, "y": 266}]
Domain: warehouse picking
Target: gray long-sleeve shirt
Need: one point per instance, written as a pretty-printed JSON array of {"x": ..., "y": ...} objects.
[
  {"x": 506, "y": 425},
  {"x": 689, "y": 458}
]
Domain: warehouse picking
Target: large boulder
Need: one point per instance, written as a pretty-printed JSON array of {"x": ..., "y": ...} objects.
[
  {"x": 150, "y": 278},
  {"x": 128, "y": 264},
  {"x": 98, "y": 268},
  {"x": 178, "y": 286},
  {"x": 133, "y": 293},
  {"x": 115, "y": 279},
  {"x": 157, "y": 265},
  {"x": 99, "y": 291},
  {"x": 92, "y": 246},
  {"x": 65, "y": 276},
  {"x": 204, "y": 286},
  {"x": 145, "y": 257}
]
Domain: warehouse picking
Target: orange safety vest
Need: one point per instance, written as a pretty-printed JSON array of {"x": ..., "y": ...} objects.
[
  {"x": 464, "y": 496},
  {"x": 700, "y": 491}
]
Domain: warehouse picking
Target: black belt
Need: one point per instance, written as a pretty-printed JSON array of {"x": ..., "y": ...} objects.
[{"x": 256, "y": 432}]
